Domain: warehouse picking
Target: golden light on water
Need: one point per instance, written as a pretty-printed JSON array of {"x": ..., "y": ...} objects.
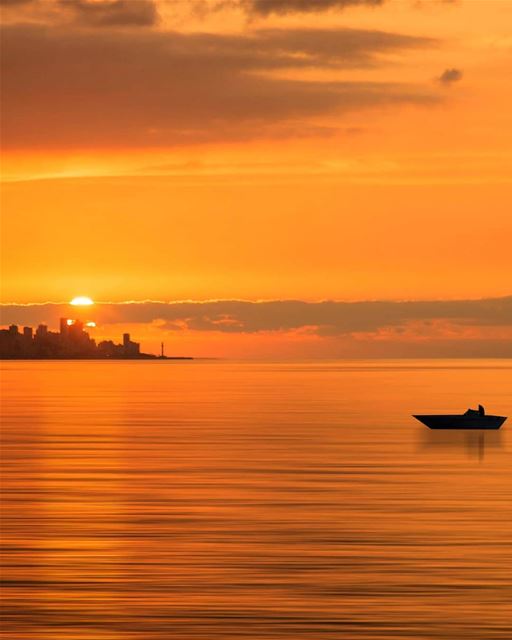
[
  {"x": 81, "y": 301},
  {"x": 107, "y": 447}
]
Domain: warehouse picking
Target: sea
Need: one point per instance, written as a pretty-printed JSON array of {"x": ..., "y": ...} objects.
[{"x": 209, "y": 500}]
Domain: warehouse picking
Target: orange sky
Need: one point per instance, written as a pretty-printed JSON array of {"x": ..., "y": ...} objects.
[{"x": 260, "y": 149}]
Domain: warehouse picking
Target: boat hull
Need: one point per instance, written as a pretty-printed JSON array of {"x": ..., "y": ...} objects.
[{"x": 461, "y": 421}]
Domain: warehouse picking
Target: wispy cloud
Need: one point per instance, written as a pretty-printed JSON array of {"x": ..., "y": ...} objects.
[
  {"x": 112, "y": 13},
  {"x": 105, "y": 89},
  {"x": 284, "y": 7}
]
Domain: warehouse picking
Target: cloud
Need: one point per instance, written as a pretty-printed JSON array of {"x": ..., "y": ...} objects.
[
  {"x": 450, "y": 76},
  {"x": 11, "y": 3},
  {"x": 328, "y": 318},
  {"x": 87, "y": 13},
  {"x": 113, "y": 13},
  {"x": 283, "y": 7},
  {"x": 105, "y": 89}
]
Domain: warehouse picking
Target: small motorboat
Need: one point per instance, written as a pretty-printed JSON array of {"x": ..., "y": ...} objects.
[{"x": 472, "y": 419}]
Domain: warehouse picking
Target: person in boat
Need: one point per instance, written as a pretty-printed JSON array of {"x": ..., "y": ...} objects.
[{"x": 476, "y": 412}]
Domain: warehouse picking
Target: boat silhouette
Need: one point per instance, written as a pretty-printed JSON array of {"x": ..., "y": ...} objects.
[{"x": 472, "y": 419}]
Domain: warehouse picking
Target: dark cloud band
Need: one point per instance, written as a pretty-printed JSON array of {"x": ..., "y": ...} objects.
[
  {"x": 113, "y": 13},
  {"x": 284, "y": 7},
  {"x": 237, "y": 316},
  {"x": 142, "y": 88}
]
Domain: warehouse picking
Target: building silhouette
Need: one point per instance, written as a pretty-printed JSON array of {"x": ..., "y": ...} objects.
[{"x": 70, "y": 342}]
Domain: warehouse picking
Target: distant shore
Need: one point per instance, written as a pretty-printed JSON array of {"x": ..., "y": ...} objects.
[
  {"x": 71, "y": 342},
  {"x": 146, "y": 356}
]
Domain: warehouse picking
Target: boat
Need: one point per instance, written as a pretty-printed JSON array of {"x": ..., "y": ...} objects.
[{"x": 472, "y": 419}]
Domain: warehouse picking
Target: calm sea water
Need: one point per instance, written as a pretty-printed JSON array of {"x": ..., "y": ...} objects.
[{"x": 215, "y": 500}]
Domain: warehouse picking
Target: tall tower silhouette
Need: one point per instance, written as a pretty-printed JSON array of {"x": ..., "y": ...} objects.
[{"x": 63, "y": 324}]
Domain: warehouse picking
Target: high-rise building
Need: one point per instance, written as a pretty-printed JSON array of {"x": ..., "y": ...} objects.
[
  {"x": 63, "y": 327},
  {"x": 41, "y": 331},
  {"x": 130, "y": 348}
]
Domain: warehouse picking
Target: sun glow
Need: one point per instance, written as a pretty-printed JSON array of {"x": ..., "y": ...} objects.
[
  {"x": 81, "y": 301},
  {"x": 90, "y": 324}
]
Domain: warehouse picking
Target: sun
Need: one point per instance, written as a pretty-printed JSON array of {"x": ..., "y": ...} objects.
[{"x": 81, "y": 301}]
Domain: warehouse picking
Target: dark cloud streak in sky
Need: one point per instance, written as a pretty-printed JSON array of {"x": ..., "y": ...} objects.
[
  {"x": 236, "y": 316},
  {"x": 108, "y": 89},
  {"x": 13, "y": 3},
  {"x": 113, "y": 13},
  {"x": 284, "y": 7}
]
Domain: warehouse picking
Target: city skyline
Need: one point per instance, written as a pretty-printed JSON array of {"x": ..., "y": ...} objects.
[{"x": 71, "y": 341}]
